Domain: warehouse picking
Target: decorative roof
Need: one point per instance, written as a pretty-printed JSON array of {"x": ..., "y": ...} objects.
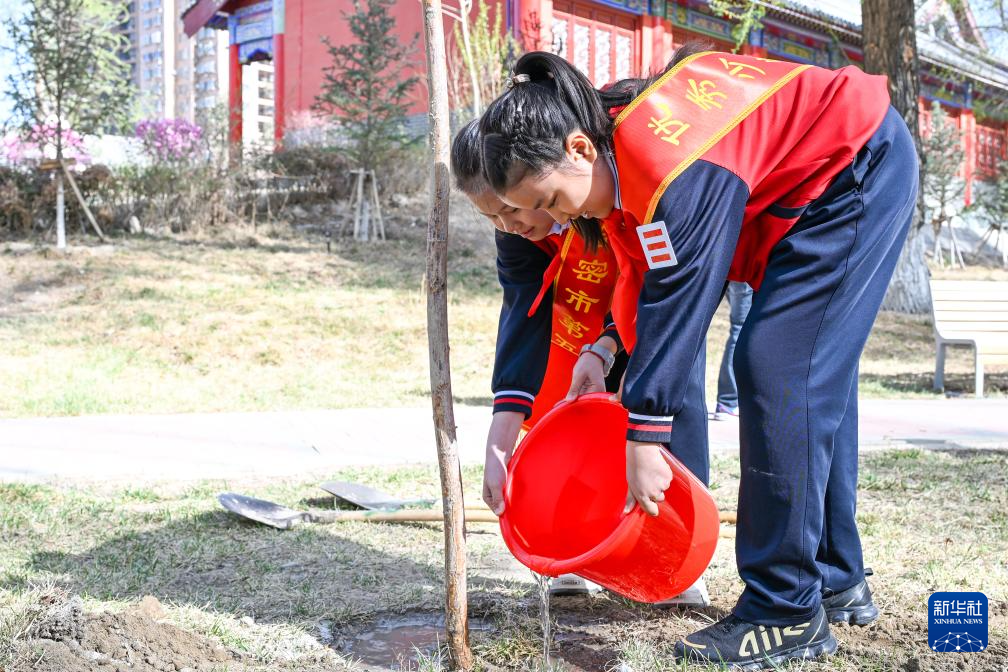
[{"x": 944, "y": 38}]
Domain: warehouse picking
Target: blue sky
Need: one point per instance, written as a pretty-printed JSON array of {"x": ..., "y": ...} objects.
[{"x": 8, "y": 8}]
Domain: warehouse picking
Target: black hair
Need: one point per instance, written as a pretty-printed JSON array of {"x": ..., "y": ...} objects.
[
  {"x": 525, "y": 129},
  {"x": 467, "y": 160}
]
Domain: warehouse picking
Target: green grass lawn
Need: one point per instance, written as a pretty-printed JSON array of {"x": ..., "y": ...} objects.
[
  {"x": 278, "y": 600},
  {"x": 247, "y": 322}
]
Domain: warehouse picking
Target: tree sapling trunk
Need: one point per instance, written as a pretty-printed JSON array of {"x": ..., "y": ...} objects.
[{"x": 456, "y": 605}]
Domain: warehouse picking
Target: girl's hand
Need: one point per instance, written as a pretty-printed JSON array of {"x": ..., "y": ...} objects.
[
  {"x": 648, "y": 476},
  {"x": 587, "y": 376},
  {"x": 501, "y": 439}
]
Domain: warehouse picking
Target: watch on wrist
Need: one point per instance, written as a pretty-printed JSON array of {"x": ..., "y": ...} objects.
[{"x": 602, "y": 353}]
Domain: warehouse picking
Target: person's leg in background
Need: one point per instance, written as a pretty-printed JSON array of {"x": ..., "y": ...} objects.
[
  {"x": 739, "y": 301},
  {"x": 689, "y": 446},
  {"x": 689, "y": 430}
]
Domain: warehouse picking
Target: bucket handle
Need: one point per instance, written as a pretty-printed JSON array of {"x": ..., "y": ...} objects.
[{"x": 609, "y": 396}]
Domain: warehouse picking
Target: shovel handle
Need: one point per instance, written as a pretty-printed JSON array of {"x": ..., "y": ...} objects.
[{"x": 404, "y": 516}]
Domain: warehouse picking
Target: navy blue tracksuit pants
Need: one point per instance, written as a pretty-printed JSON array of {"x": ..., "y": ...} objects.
[{"x": 796, "y": 363}]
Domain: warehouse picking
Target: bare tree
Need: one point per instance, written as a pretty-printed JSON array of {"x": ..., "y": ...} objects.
[
  {"x": 890, "y": 48},
  {"x": 68, "y": 75},
  {"x": 456, "y": 600}
]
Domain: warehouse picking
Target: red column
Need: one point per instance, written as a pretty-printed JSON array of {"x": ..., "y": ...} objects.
[
  {"x": 534, "y": 24},
  {"x": 235, "y": 97},
  {"x": 278, "y": 89},
  {"x": 967, "y": 124},
  {"x": 751, "y": 50},
  {"x": 654, "y": 54}
]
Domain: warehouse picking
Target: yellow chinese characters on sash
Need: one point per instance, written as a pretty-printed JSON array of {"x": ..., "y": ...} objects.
[
  {"x": 582, "y": 292},
  {"x": 682, "y": 115}
]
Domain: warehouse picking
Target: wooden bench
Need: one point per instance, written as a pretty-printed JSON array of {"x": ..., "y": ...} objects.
[{"x": 972, "y": 313}]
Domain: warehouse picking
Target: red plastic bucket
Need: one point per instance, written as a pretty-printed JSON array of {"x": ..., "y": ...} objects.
[{"x": 564, "y": 498}]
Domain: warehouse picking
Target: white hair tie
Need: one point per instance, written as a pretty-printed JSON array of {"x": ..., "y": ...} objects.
[{"x": 518, "y": 79}]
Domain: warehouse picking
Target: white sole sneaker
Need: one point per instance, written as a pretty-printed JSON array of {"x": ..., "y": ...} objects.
[
  {"x": 572, "y": 584},
  {"x": 694, "y": 596}
]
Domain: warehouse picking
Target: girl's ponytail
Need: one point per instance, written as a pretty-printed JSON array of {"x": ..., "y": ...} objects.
[
  {"x": 573, "y": 89},
  {"x": 525, "y": 129}
]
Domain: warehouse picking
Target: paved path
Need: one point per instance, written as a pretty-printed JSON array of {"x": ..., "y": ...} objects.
[{"x": 223, "y": 445}]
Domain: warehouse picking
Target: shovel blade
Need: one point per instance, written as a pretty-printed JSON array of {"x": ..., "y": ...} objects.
[
  {"x": 261, "y": 510},
  {"x": 365, "y": 497}
]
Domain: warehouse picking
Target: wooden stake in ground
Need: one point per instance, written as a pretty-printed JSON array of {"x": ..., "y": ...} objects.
[
  {"x": 62, "y": 172},
  {"x": 83, "y": 203},
  {"x": 456, "y": 607}
]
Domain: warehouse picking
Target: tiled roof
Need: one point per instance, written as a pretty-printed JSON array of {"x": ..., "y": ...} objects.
[{"x": 963, "y": 56}]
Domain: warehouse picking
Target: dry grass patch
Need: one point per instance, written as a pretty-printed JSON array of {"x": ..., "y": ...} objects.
[
  {"x": 930, "y": 521},
  {"x": 248, "y": 322}
]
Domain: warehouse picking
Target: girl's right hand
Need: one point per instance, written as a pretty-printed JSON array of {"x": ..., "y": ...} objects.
[
  {"x": 588, "y": 375},
  {"x": 501, "y": 439}
]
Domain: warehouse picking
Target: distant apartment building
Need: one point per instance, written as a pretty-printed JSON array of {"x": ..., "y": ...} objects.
[
  {"x": 257, "y": 103},
  {"x": 176, "y": 76}
]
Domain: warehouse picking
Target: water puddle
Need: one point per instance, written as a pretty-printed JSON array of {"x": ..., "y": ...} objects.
[{"x": 397, "y": 642}]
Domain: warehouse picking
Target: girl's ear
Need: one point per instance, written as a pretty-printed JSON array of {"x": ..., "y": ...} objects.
[{"x": 580, "y": 148}]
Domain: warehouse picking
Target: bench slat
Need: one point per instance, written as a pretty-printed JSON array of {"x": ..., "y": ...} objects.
[
  {"x": 987, "y": 347},
  {"x": 989, "y": 329},
  {"x": 969, "y": 296},
  {"x": 992, "y": 306},
  {"x": 955, "y": 316},
  {"x": 969, "y": 284}
]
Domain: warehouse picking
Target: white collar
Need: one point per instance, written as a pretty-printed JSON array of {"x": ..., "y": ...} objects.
[{"x": 559, "y": 228}]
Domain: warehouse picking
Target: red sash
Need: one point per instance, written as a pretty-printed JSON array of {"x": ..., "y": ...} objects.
[{"x": 583, "y": 283}]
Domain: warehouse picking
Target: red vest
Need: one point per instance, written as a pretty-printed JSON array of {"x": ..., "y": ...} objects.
[{"x": 785, "y": 129}]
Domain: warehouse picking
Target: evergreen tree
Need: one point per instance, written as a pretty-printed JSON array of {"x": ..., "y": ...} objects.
[
  {"x": 993, "y": 208},
  {"x": 943, "y": 188},
  {"x": 367, "y": 86}
]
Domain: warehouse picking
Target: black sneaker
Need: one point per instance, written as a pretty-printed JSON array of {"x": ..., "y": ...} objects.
[
  {"x": 744, "y": 646},
  {"x": 854, "y": 605}
]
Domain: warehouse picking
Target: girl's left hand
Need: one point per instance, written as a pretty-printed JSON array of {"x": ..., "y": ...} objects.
[{"x": 648, "y": 476}]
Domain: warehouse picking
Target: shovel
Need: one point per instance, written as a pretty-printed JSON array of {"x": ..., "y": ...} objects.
[
  {"x": 283, "y": 518},
  {"x": 372, "y": 499}
]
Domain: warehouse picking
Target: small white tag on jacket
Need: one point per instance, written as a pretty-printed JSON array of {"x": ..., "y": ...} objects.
[{"x": 657, "y": 245}]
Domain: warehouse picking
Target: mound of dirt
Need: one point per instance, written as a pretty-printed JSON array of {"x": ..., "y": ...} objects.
[{"x": 72, "y": 641}]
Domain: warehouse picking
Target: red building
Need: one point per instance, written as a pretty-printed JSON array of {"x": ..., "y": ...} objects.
[{"x": 610, "y": 39}]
